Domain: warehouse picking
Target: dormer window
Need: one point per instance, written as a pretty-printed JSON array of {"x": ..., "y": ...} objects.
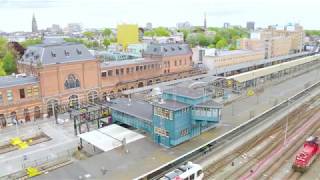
[
  {"x": 66, "y": 53},
  {"x": 78, "y": 52},
  {"x": 154, "y": 49},
  {"x": 172, "y": 49},
  {"x": 165, "y": 49},
  {"x": 180, "y": 48},
  {"x": 53, "y": 54}
]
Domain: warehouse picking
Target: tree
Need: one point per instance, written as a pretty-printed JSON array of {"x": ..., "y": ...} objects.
[
  {"x": 3, "y": 46},
  {"x": 203, "y": 40},
  {"x": 149, "y": 33},
  {"x": 159, "y": 31},
  {"x": 222, "y": 43},
  {"x": 185, "y": 32},
  {"x": 192, "y": 40},
  {"x": 106, "y": 32},
  {"x": 106, "y": 42},
  {"x": 211, "y": 46},
  {"x": 30, "y": 42},
  {"x": 2, "y": 71},
  {"x": 88, "y": 34},
  {"x": 9, "y": 64}
]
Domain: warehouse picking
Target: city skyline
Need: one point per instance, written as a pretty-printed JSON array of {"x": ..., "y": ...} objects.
[{"x": 165, "y": 13}]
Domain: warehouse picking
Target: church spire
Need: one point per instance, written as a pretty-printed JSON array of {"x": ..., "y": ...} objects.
[
  {"x": 34, "y": 24},
  {"x": 205, "y": 21}
]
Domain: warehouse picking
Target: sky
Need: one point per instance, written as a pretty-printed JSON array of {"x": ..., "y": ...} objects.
[{"x": 16, "y": 15}]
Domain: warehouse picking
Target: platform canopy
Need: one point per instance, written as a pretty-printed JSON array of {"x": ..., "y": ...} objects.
[
  {"x": 243, "y": 77},
  {"x": 110, "y": 137}
]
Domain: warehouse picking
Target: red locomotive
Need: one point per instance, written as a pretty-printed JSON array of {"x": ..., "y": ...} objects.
[{"x": 306, "y": 156}]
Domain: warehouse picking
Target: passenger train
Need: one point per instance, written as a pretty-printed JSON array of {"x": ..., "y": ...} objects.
[{"x": 188, "y": 171}]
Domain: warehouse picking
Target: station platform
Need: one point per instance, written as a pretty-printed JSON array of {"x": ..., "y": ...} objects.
[
  {"x": 110, "y": 137},
  {"x": 145, "y": 156}
]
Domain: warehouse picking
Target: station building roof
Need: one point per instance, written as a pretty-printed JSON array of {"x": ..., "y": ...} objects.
[
  {"x": 56, "y": 53},
  {"x": 136, "y": 108},
  {"x": 17, "y": 80},
  {"x": 233, "y": 52},
  {"x": 185, "y": 92},
  {"x": 171, "y": 105},
  {"x": 167, "y": 49},
  {"x": 210, "y": 104},
  {"x": 127, "y": 62},
  {"x": 243, "y": 77}
]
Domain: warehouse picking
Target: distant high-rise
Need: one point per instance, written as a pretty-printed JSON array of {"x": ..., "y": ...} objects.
[
  {"x": 250, "y": 25},
  {"x": 205, "y": 21},
  {"x": 34, "y": 24},
  {"x": 127, "y": 34},
  {"x": 74, "y": 27},
  {"x": 149, "y": 26},
  {"x": 184, "y": 25},
  {"x": 226, "y": 25}
]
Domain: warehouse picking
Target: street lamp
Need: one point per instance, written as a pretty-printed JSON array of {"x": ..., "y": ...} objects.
[{"x": 287, "y": 122}]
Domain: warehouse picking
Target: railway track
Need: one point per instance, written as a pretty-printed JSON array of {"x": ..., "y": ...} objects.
[
  {"x": 287, "y": 156},
  {"x": 207, "y": 149},
  {"x": 291, "y": 174},
  {"x": 230, "y": 167}
]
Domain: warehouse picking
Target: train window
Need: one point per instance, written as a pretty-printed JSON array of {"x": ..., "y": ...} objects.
[
  {"x": 199, "y": 173},
  {"x": 192, "y": 177}
]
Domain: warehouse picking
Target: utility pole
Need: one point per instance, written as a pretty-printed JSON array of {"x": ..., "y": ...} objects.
[
  {"x": 232, "y": 108},
  {"x": 287, "y": 122}
]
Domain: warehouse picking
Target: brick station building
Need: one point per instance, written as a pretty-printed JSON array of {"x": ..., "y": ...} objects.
[{"x": 66, "y": 73}]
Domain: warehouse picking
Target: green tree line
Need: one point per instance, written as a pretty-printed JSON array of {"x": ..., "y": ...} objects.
[
  {"x": 219, "y": 38},
  {"x": 158, "y": 32},
  {"x": 312, "y": 32},
  {"x": 90, "y": 39},
  {"x": 8, "y": 63},
  {"x": 7, "y": 60}
]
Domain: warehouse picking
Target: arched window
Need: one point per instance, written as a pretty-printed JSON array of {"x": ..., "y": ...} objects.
[
  {"x": 3, "y": 122},
  {"x": 14, "y": 118},
  {"x": 51, "y": 104},
  {"x": 37, "y": 112},
  {"x": 26, "y": 114},
  {"x": 71, "y": 82}
]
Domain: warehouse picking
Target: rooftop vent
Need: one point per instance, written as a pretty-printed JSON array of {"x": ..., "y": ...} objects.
[
  {"x": 66, "y": 53},
  {"x": 161, "y": 101},
  {"x": 78, "y": 52},
  {"x": 53, "y": 54}
]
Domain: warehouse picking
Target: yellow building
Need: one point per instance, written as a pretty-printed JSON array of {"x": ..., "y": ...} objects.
[{"x": 127, "y": 34}]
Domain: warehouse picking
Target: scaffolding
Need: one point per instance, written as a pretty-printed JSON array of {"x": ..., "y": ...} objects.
[{"x": 89, "y": 114}]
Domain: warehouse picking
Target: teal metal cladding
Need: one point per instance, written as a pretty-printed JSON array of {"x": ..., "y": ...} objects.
[{"x": 132, "y": 121}]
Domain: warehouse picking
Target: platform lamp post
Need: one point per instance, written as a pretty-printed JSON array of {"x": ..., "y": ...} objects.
[
  {"x": 287, "y": 123},
  {"x": 17, "y": 128}
]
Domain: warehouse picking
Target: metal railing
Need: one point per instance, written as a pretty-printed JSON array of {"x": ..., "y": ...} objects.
[{"x": 204, "y": 149}]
